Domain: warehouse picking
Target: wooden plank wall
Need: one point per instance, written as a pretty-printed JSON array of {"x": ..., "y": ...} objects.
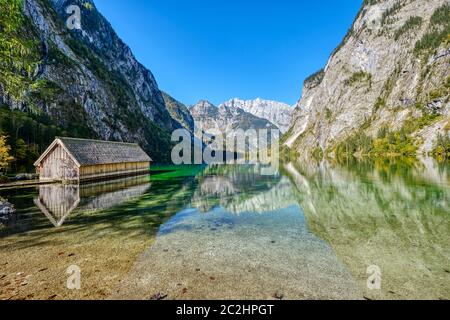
[
  {"x": 58, "y": 165},
  {"x": 105, "y": 170}
]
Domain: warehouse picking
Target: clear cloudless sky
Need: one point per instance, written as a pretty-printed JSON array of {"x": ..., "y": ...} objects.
[{"x": 221, "y": 49}]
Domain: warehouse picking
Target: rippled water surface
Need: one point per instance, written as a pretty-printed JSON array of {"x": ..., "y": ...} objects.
[{"x": 229, "y": 232}]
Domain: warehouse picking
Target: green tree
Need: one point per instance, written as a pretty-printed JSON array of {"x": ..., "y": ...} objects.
[
  {"x": 442, "y": 145},
  {"x": 19, "y": 53},
  {"x": 21, "y": 150}
]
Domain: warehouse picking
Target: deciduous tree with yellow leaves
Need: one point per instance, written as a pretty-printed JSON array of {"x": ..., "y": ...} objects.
[{"x": 5, "y": 157}]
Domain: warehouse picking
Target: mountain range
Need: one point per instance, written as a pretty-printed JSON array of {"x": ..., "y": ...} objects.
[
  {"x": 278, "y": 113},
  {"x": 384, "y": 90},
  {"x": 224, "y": 120},
  {"x": 87, "y": 83},
  {"x": 238, "y": 114}
]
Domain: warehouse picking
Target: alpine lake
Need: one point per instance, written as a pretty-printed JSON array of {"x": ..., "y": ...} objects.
[{"x": 354, "y": 230}]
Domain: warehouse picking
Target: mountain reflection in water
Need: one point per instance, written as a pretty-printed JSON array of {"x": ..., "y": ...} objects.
[
  {"x": 307, "y": 232},
  {"x": 241, "y": 189},
  {"x": 244, "y": 236}
]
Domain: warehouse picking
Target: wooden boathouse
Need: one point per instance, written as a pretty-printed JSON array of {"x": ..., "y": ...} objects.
[{"x": 76, "y": 160}]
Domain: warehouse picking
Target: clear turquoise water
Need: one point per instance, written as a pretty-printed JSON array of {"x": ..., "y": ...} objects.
[{"x": 309, "y": 232}]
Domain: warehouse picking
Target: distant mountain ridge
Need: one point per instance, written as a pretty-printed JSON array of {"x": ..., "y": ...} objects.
[
  {"x": 225, "y": 119},
  {"x": 240, "y": 114},
  {"x": 278, "y": 113}
]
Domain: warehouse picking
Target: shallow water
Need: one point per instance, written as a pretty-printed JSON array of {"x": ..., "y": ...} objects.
[{"x": 228, "y": 232}]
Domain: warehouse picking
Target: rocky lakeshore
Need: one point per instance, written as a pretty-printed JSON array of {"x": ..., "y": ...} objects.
[{"x": 6, "y": 210}]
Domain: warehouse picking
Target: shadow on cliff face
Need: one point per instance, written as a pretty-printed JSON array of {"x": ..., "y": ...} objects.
[{"x": 394, "y": 215}]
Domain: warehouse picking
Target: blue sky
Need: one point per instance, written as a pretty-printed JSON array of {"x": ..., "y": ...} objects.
[{"x": 221, "y": 49}]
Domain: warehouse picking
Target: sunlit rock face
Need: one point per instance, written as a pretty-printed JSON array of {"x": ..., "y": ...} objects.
[
  {"x": 377, "y": 77},
  {"x": 394, "y": 216}
]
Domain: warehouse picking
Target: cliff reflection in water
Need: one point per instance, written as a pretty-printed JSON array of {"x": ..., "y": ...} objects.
[
  {"x": 395, "y": 215},
  {"x": 58, "y": 201}
]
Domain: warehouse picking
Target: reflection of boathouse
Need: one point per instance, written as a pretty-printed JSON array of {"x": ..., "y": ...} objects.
[
  {"x": 69, "y": 159},
  {"x": 58, "y": 201}
]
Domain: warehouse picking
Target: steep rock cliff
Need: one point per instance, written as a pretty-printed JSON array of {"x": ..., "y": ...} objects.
[
  {"x": 86, "y": 81},
  {"x": 390, "y": 74},
  {"x": 179, "y": 112}
]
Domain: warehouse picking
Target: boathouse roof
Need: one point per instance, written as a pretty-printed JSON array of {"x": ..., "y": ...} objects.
[{"x": 94, "y": 152}]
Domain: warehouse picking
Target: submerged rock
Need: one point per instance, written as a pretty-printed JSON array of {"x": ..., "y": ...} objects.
[
  {"x": 6, "y": 208},
  {"x": 6, "y": 211}
]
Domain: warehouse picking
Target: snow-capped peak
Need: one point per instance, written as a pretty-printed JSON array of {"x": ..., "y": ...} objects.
[{"x": 278, "y": 113}]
